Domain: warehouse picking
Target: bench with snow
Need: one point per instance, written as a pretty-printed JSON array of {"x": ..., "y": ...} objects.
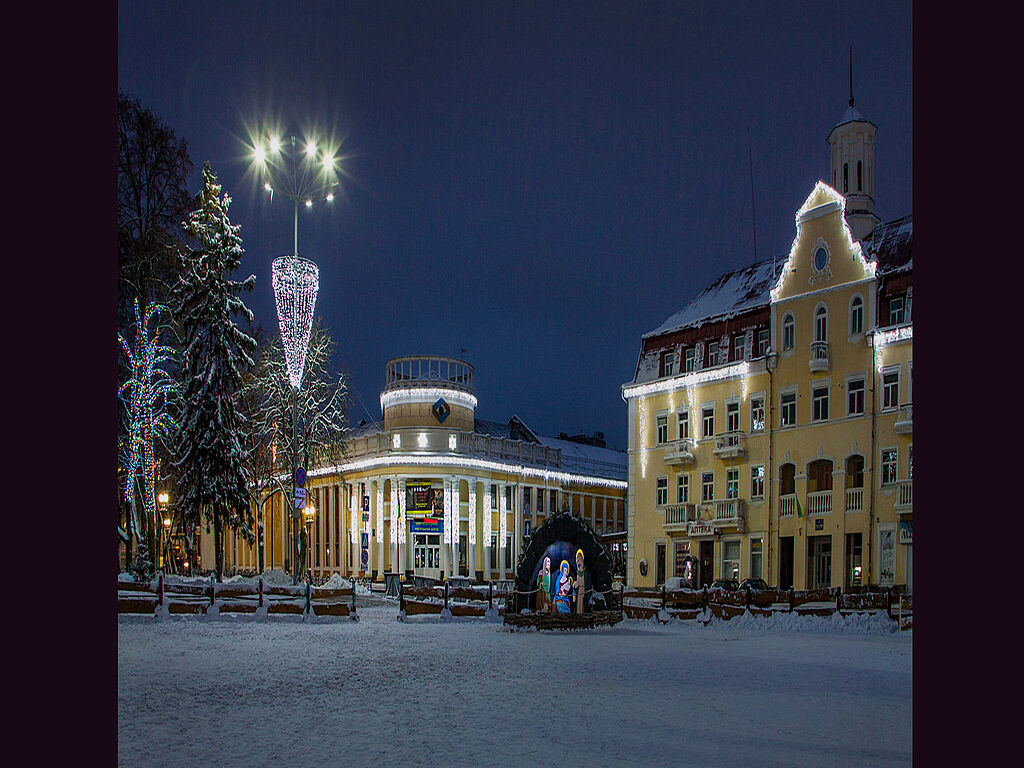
[
  {"x": 472, "y": 600},
  {"x": 333, "y": 599}
]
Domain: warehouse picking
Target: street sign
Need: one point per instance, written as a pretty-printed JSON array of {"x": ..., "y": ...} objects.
[
  {"x": 366, "y": 503},
  {"x": 300, "y": 493},
  {"x": 300, "y": 476},
  {"x": 299, "y": 503}
]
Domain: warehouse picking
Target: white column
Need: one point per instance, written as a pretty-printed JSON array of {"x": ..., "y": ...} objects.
[
  {"x": 502, "y": 529},
  {"x": 446, "y": 528},
  {"x": 487, "y": 530},
  {"x": 379, "y": 504},
  {"x": 402, "y": 554},
  {"x": 471, "y": 529},
  {"x": 456, "y": 521},
  {"x": 394, "y": 523}
]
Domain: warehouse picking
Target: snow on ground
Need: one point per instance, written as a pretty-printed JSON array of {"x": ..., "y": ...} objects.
[{"x": 784, "y": 691}]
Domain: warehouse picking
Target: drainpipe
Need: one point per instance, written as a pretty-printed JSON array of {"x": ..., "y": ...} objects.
[
  {"x": 770, "y": 363},
  {"x": 871, "y": 494}
]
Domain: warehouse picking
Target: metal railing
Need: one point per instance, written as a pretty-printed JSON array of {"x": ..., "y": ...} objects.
[{"x": 428, "y": 371}]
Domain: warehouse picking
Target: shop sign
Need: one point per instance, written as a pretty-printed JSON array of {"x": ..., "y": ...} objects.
[
  {"x": 700, "y": 529},
  {"x": 907, "y": 532},
  {"x": 421, "y": 525}
]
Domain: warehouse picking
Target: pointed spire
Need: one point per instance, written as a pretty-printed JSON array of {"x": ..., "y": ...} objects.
[{"x": 851, "y": 75}]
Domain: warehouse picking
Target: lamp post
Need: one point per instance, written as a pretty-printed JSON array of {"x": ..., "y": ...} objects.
[
  {"x": 162, "y": 499},
  {"x": 302, "y": 177},
  {"x": 309, "y": 514}
]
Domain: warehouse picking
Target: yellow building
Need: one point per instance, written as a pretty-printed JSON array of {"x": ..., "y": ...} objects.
[
  {"x": 770, "y": 420},
  {"x": 387, "y": 506}
]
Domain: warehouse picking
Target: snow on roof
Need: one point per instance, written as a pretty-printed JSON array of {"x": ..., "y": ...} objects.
[
  {"x": 890, "y": 245},
  {"x": 589, "y": 459},
  {"x": 732, "y": 293}
]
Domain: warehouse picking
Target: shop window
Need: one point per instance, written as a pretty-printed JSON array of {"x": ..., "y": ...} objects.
[{"x": 756, "y": 558}]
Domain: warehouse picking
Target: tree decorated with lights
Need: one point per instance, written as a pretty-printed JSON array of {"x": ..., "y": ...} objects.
[
  {"x": 144, "y": 395},
  {"x": 215, "y": 353}
]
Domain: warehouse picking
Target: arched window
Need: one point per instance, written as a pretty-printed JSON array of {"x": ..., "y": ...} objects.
[
  {"x": 855, "y": 472},
  {"x": 788, "y": 332},
  {"x": 819, "y": 475},
  {"x": 856, "y": 316},
  {"x": 821, "y": 324},
  {"x": 846, "y": 178},
  {"x": 860, "y": 176},
  {"x": 787, "y": 479},
  {"x": 833, "y": 178}
]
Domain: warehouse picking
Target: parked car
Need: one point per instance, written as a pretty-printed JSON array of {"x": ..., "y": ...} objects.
[
  {"x": 754, "y": 584},
  {"x": 729, "y": 584}
]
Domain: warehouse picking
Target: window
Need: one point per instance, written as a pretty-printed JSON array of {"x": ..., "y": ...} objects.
[
  {"x": 738, "y": 343},
  {"x": 855, "y": 397},
  {"x": 819, "y": 404},
  {"x": 846, "y": 178},
  {"x": 855, "y": 472},
  {"x": 757, "y": 413},
  {"x": 662, "y": 428},
  {"x": 709, "y": 421},
  {"x": 910, "y": 462},
  {"x": 788, "y": 332},
  {"x": 707, "y": 486},
  {"x": 553, "y": 506},
  {"x": 494, "y": 552},
  {"x": 819, "y": 475},
  {"x": 860, "y": 175},
  {"x": 509, "y": 504},
  {"x": 688, "y": 358},
  {"x": 890, "y": 390},
  {"x": 668, "y": 363},
  {"x": 730, "y": 560},
  {"x": 660, "y": 562},
  {"x": 787, "y": 479},
  {"x": 756, "y": 558},
  {"x": 732, "y": 483},
  {"x": 683, "y": 424},
  {"x": 763, "y": 338},
  {"x": 896, "y": 310},
  {"x": 732, "y": 417},
  {"x": 757, "y": 482},
  {"x": 712, "y": 353},
  {"x": 494, "y": 496},
  {"x": 661, "y": 493},
  {"x": 821, "y": 324},
  {"x": 888, "y": 466},
  {"x": 540, "y": 502},
  {"x": 856, "y": 316},
  {"x": 683, "y": 489},
  {"x": 787, "y": 413}
]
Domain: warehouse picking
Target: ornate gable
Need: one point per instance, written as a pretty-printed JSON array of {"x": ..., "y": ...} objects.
[{"x": 824, "y": 253}]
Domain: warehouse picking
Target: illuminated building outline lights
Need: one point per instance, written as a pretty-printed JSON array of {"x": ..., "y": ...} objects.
[{"x": 426, "y": 395}]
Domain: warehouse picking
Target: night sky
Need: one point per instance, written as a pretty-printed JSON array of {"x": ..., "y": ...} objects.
[{"x": 537, "y": 184}]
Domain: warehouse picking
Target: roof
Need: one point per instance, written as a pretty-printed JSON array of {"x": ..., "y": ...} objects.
[
  {"x": 851, "y": 115},
  {"x": 890, "y": 245},
  {"x": 589, "y": 459}
]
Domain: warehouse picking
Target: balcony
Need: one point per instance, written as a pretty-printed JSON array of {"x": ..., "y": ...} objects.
[
  {"x": 819, "y": 503},
  {"x": 905, "y": 496},
  {"x": 905, "y": 420},
  {"x": 729, "y": 512},
  {"x": 729, "y": 445},
  {"x": 819, "y": 356},
  {"x": 678, "y": 516},
  {"x": 679, "y": 451},
  {"x": 854, "y": 499},
  {"x": 787, "y": 504}
]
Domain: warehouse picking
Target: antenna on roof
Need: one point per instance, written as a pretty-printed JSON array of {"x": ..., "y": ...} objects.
[
  {"x": 462, "y": 352},
  {"x": 851, "y": 75}
]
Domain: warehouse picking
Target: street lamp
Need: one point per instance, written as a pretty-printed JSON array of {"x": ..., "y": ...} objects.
[
  {"x": 309, "y": 514},
  {"x": 162, "y": 498}
]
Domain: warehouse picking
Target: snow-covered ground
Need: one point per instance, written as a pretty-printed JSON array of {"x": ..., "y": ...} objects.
[{"x": 782, "y": 691}]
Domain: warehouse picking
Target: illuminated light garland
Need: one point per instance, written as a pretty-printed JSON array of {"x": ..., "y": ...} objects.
[
  {"x": 401, "y": 511},
  {"x": 487, "y": 514},
  {"x": 686, "y": 381},
  {"x": 394, "y": 510},
  {"x": 807, "y": 213},
  {"x": 296, "y": 283},
  {"x": 427, "y": 395},
  {"x": 447, "y": 511},
  {"x": 380, "y": 510},
  {"x": 472, "y": 511},
  {"x": 882, "y": 339},
  {"x": 354, "y": 520},
  {"x": 502, "y": 515},
  {"x": 148, "y": 386},
  {"x": 456, "y": 509},
  {"x": 442, "y": 460},
  {"x": 641, "y": 407}
]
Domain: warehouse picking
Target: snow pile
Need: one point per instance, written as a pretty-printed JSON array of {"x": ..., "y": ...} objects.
[{"x": 337, "y": 581}]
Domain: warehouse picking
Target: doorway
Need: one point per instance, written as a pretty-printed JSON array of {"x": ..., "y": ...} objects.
[
  {"x": 707, "y": 563},
  {"x": 785, "y": 562},
  {"x": 819, "y": 562},
  {"x": 427, "y": 555},
  {"x": 659, "y": 564}
]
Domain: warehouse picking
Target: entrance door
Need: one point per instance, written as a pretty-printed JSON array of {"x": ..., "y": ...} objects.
[
  {"x": 427, "y": 555},
  {"x": 785, "y": 562},
  {"x": 659, "y": 565},
  {"x": 707, "y": 563},
  {"x": 819, "y": 562}
]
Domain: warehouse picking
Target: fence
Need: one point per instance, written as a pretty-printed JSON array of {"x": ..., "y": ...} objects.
[
  {"x": 172, "y": 596},
  {"x": 468, "y": 600},
  {"x": 727, "y": 604}
]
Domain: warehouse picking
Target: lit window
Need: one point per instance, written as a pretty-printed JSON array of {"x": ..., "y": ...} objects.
[
  {"x": 856, "y": 316},
  {"x": 855, "y": 397},
  {"x": 757, "y": 482},
  {"x": 888, "y": 466},
  {"x": 788, "y": 409},
  {"x": 707, "y": 486},
  {"x": 661, "y": 494},
  {"x": 819, "y": 404},
  {"x": 788, "y": 332},
  {"x": 757, "y": 414}
]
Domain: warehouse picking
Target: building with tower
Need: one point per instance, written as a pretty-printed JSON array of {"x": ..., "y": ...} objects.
[
  {"x": 431, "y": 490},
  {"x": 771, "y": 420}
]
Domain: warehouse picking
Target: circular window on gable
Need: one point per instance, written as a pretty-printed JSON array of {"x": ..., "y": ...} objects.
[{"x": 820, "y": 259}]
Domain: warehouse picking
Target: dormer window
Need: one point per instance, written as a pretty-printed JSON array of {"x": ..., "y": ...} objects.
[
  {"x": 668, "y": 363},
  {"x": 896, "y": 313},
  {"x": 712, "y": 353},
  {"x": 688, "y": 359},
  {"x": 738, "y": 344}
]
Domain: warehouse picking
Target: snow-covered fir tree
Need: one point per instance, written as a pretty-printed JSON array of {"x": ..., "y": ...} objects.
[{"x": 214, "y": 354}]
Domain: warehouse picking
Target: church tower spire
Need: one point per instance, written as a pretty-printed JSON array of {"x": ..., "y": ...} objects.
[{"x": 852, "y": 160}]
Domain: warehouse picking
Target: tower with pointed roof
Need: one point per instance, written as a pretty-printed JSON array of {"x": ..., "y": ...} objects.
[{"x": 852, "y": 160}]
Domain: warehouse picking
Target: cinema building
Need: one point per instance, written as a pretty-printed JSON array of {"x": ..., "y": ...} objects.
[
  {"x": 432, "y": 490},
  {"x": 771, "y": 419}
]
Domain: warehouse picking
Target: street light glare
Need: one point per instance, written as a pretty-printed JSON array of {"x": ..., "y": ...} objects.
[
  {"x": 275, "y": 145},
  {"x": 330, "y": 197},
  {"x": 259, "y": 154},
  {"x": 328, "y": 163},
  {"x": 311, "y": 148},
  {"x": 268, "y": 187},
  {"x": 309, "y": 203}
]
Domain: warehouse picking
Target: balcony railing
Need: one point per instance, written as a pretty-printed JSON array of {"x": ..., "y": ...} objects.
[
  {"x": 905, "y": 420},
  {"x": 854, "y": 499},
  {"x": 428, "y": 371},
  {"x": 679, "y": 451},
  {"x": 819, "y": 503},
  {"x": 819, "y": 356},
  {"x": 787, "y": 504},
  {"x": 905, "y": 495},
  {"x": 729, "y": 445},
  {"x": 730, "y": 512},
  {"x": 679, "y": 515}
]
